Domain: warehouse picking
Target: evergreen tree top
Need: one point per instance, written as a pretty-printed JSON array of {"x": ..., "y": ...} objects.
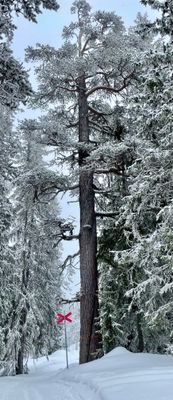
[
  {"x": 164, "y": 22},
  {"x": 28, "y": 8}
]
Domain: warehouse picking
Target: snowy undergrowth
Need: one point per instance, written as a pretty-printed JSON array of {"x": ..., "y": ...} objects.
[{"x": 119, "y": 375}]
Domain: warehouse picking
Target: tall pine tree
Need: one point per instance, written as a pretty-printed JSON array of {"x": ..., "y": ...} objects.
[{"x": 83, "y": 81}]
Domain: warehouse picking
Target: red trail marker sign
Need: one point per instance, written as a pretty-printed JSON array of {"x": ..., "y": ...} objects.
[{"x": 63, "y": 318}]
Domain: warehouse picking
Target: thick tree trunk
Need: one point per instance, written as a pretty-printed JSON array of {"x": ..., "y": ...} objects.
[
  {"x": 140, "y": 333},
  {"x": 24, "y": 310},
  {"x": 19, "y": 366},
  {"x": 88, "y": 268},
  {"x": 88, "y": 240}
]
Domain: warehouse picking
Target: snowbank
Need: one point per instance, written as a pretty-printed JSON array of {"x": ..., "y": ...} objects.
[{"x": 120, "y": 375}]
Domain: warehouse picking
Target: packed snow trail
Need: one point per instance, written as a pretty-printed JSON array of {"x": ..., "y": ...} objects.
[
  {"x": 44, "y": 382},
  {"x": 120, "y": 375},
  {"x": 51, "y": 388}
]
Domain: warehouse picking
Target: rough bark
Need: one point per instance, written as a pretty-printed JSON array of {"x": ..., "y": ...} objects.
[
  {"x": 20, "y": 359},
  {"x": 24, "y": 287},
  {"x": 23, "y": 316},
  {"x": 88, "y": 240},
  {"x": 140, "y": 333}
]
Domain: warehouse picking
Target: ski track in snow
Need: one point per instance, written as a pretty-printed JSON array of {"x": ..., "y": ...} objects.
[{"x": 29, "y": 388}]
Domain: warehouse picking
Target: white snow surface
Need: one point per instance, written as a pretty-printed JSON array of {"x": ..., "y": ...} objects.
[{"x": 120, "y": 375}]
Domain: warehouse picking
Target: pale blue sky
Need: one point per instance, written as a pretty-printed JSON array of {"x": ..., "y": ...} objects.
[{"x": 50, "y": 24}]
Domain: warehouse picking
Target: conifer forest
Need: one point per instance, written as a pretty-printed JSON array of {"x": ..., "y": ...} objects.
[{"x": 103, "y": 136}]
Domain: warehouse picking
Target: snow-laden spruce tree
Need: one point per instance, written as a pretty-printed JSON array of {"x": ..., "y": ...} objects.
[
  {"x": 6, "y": 255},
  {"x": 14, "y": 79},
  {"x": 35, "y": 277},
  {"x": 147, "y": 210},
  {"x": 83, "y": 82},
  {"x": 119, "y": 324},
  {"x": 14, "y": 89},
  {"x": 28, "y": 8}
]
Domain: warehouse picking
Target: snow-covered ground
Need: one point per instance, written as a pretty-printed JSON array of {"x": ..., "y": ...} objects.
[{"x": 120, "y": 375}]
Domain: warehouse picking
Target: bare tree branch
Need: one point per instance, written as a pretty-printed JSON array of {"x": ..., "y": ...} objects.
[
  {"x": 109, "y": 88},
  {"x": 70, "y": 237},
  {"x": 106, "y": 214},
  {"x": 108, "y": 171},
  {"x": 69, "y": 260},
  {"x": 105, "y": 88},
  {"x": 99, "y": 113},
  {"x": 45, "y": 190},
  {"x": 68, "y": 301},
  {"x": 85, "y": 45}
]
